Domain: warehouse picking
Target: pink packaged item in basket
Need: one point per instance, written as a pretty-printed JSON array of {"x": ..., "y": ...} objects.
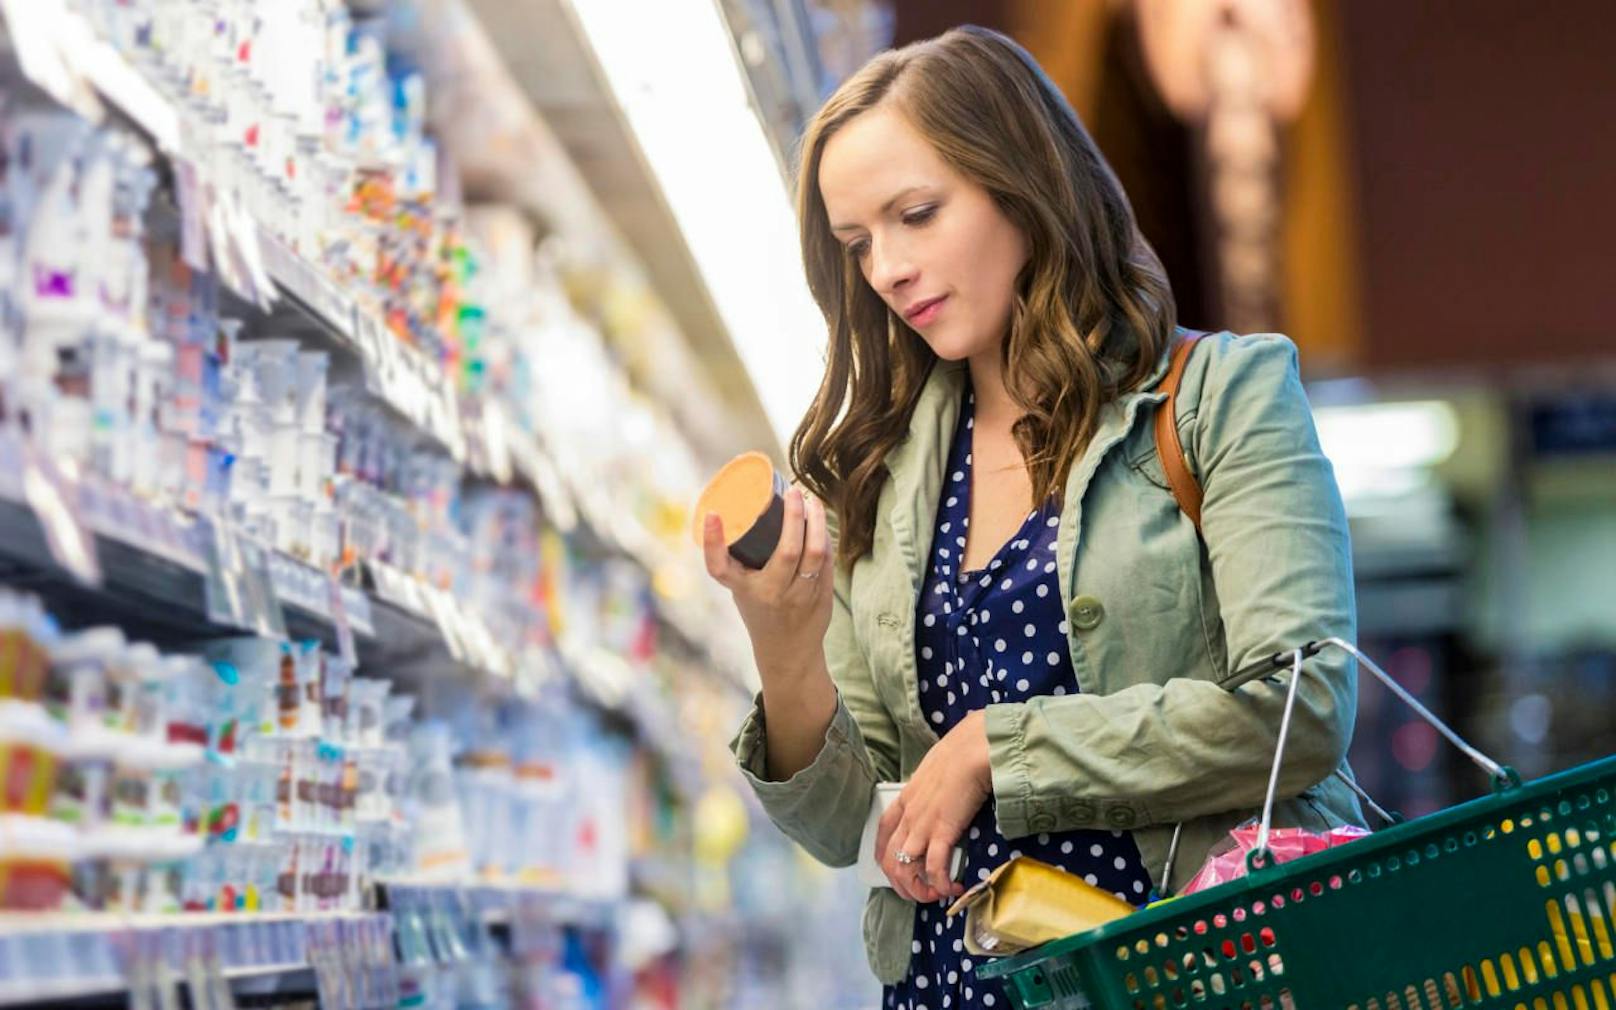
[{"x": 1228, "y": 860}]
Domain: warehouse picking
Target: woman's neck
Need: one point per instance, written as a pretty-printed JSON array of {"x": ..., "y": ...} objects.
[{"x": 995, "y": 410}]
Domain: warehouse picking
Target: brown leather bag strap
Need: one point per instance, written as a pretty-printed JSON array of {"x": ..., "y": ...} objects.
[{"x": 1186, "y": 489}]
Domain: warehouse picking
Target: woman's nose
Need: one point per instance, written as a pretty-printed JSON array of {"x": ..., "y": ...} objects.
[{"x": 891, "y": 269}]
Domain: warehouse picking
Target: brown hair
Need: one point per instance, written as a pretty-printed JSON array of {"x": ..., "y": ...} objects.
[{"x": 1093, "y": 311}]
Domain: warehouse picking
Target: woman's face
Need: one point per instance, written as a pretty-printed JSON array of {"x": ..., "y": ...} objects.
[{"x": 932, "y": 243}]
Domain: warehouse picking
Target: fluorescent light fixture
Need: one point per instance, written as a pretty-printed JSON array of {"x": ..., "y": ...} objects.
[
  {"x": 1388, "y": 435},
  {"x": 1382, "y": 449},
  {"x": 672, "y": 68}
]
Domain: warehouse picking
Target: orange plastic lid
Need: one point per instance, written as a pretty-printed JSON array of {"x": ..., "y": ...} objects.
[{"x": 739, "y": 493}]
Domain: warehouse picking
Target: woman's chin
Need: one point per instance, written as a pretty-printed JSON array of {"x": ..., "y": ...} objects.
[{"x": 955, "y": 349}]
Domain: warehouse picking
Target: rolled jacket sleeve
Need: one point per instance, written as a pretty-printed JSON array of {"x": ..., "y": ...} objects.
[{"x": 811, "y": 806}]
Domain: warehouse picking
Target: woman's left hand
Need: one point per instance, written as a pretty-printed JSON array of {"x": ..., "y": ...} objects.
[{"x": 933, "y": 811}]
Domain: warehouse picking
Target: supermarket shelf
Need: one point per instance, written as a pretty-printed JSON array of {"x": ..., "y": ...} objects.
[
  {"x": 314, "y": 306},
  {"x": 165, "y": 597},
  {"x": 14, "y": 994},
  {"x": 498, "y": 902},
  {"x": 275, "y": 979},
  {"x": 163, "y": 600},
  {"x": 396, "y": 634},
  {"x": 257, "y": 955},
  {"x": 270, "y": 980}
]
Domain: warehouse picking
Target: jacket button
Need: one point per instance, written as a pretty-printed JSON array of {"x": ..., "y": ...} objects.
[
  {"x": 1080, "y": 812},
  {"x": 1087, "y": 613},
  {"x": 1041, "y": 822},
  {"x": 1120, "y": 817}
]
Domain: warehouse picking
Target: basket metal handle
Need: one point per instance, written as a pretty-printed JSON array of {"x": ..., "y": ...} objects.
[{"x": 1502, "y": 776}]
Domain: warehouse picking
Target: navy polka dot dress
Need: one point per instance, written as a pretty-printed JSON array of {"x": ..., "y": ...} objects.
[{"x": 984, "y": 637}]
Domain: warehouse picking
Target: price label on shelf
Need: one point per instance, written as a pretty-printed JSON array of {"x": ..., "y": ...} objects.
[
  {"x": 369, "y": 335},
  {"x": 53, "y": 497},
  {"x": 417, "y": 398},
  {"x": 244, "y": 237},
  {"x": 181, "y": 544},
  {"x": 441, "y": 606},
  {"x": 222, "y": 590},
  {"x": 386, "y": 582},
  {"x": 264, "y": 611},
  {"x": 94, "y": 508},
  {"x": 239, "y": 584},
  {"x": 120, "y": 517},
  {"x": 496, "y": 444},
  {"x": 224, "y": 265},
  {"x": 149, "y": 528},
  {"x": 414, "y": 595},
  {"x": 316, "y": 592},
  {"x": 357, "y": 606},
  {"x": 11, "y": 457},
  {"x": 298, "y": 584},
  {"x": 453, "y": 433},
  {"x": 193, "y": 217},
  {"x": 328, "y": 300},
  {"x": 338, "y": 605},
  {"x": 474, "y": 635},
  {"x": 309, "y": 283},
  {"x": 390, "y": 371}
]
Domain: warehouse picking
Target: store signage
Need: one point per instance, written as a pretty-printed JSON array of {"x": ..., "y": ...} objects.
[{"x": 1573, "y": 425}]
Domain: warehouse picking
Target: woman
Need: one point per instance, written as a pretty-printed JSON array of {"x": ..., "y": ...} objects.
[{"x": 1013, "y": 616}]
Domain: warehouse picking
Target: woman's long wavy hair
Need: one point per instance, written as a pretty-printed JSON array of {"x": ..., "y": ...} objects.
[{"x": 1093, "y": 311}]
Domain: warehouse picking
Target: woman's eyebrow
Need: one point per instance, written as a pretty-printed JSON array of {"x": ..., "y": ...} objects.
[{"x": 899, "y": 195}]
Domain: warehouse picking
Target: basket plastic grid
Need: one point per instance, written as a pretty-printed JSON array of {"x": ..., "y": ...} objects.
[{"x": 1505, "y": 901}]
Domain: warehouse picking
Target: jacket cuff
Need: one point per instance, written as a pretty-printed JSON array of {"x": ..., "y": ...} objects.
[
  {"x": 1012, "y": 781},
  {"x": 823, "y": 806},
  {"x": 1020, "y": 809}
]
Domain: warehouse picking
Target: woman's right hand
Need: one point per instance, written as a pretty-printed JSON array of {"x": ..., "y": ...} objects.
[{"x": 785, "y": 605}]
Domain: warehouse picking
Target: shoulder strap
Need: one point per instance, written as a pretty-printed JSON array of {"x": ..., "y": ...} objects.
[{"x": 1185, "y": 488}]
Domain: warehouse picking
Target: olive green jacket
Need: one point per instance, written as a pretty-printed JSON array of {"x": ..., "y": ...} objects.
[{"x": 1157, "y": 621}]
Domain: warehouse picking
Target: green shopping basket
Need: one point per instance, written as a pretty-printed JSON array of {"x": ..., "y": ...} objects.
[{"x": 1505, "y": 901}]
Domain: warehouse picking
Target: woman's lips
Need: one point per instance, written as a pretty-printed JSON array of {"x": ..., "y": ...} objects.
[{"x": 925, "y": 312}]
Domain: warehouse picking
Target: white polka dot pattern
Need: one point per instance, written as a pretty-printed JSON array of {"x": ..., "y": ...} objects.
[{"x": 1014, "y": 598}]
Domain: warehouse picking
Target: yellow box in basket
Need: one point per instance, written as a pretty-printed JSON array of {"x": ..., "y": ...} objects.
[{"x": 1025, "y": 903}]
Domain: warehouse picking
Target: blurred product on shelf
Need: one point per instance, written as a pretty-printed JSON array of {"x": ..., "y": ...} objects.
[
  {"x": 305, "y": 173},
  {"x": 290, "y": 445},
  {"x": 262, "y": 776}
]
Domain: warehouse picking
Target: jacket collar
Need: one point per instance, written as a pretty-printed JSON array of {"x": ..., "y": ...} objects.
[{"x": 917, "y": 464}]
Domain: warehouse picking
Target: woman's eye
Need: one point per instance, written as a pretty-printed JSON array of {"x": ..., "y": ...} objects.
[
  {"x": 858, "y": 249},
  {"x": 920, "y": 215}
]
